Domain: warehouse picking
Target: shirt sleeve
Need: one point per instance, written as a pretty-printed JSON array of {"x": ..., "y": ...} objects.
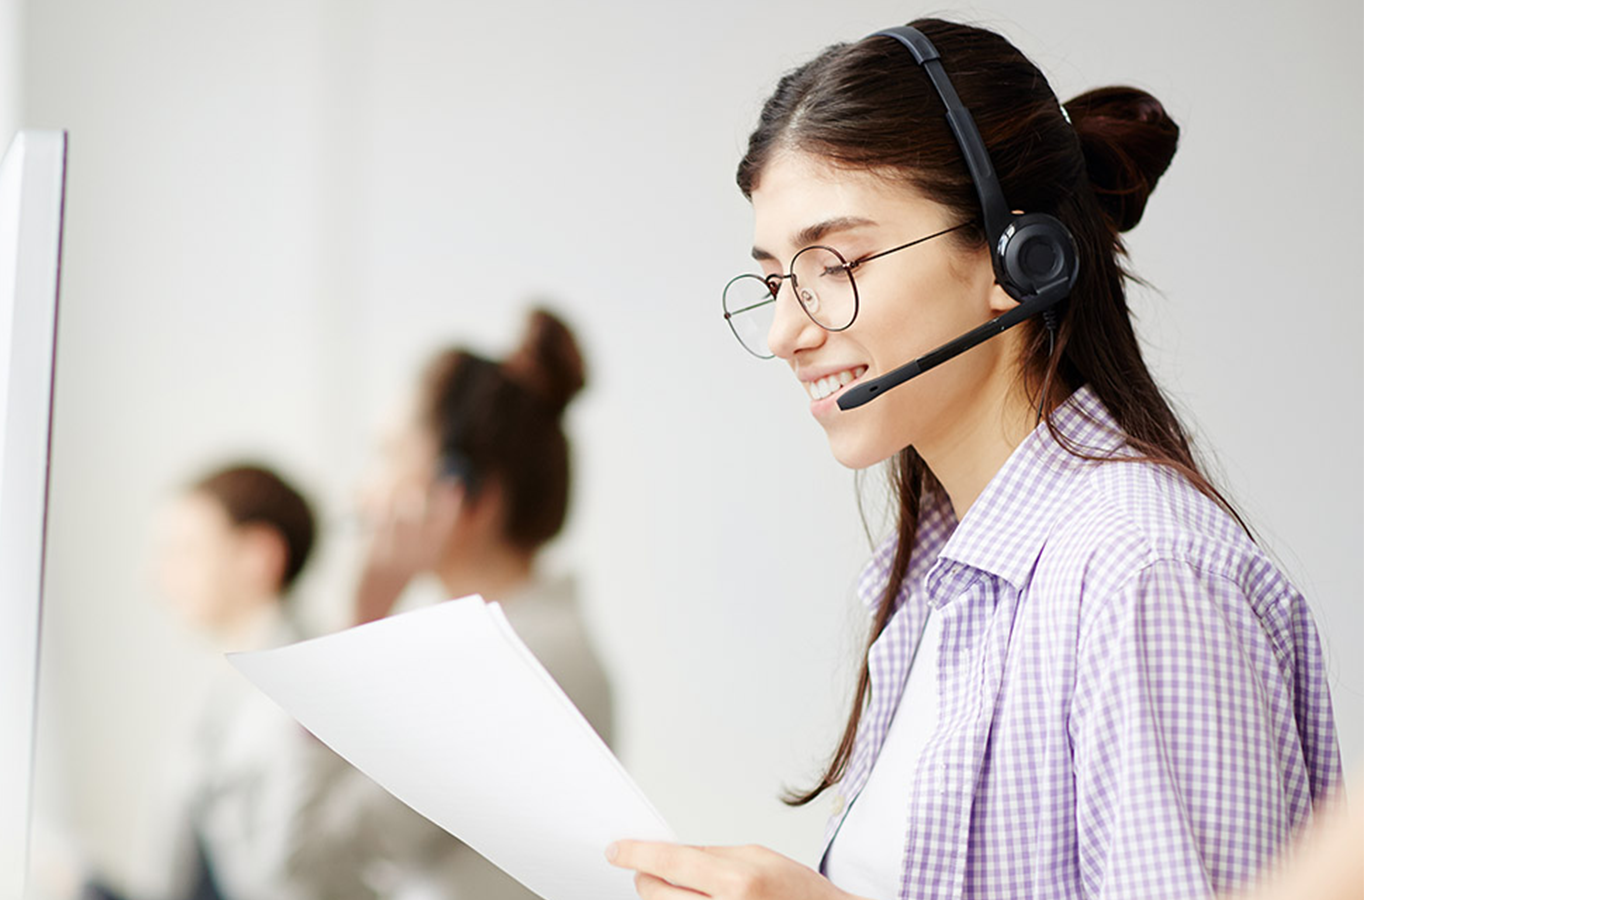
[{"x": 1183, "y": 738}]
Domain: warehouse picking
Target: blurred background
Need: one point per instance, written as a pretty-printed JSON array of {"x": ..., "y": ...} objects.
[{"x": 276, "y": 213}]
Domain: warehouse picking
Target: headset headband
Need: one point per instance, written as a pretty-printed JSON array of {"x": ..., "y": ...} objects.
[
  {"x": 1034, "y": 256},
  {"x": 991, "y": 199}
]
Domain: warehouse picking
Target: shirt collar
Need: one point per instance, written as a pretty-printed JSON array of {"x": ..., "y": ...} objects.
[
  {"x": 936, "y": 522},
  {"x": 1006, "y": 527}
]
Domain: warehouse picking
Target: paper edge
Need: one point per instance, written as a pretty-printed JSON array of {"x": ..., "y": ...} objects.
[
  {"x": 500, "y": 624},
  {"x": 503, "y": 625}
]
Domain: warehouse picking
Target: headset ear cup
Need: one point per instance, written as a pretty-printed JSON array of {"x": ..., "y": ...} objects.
[
  {"x": 455, "y": 468},
  {"x": 1036, "y": 251}
]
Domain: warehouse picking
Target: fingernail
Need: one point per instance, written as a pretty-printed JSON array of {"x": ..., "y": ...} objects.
[{"x": 611, "y": 852}]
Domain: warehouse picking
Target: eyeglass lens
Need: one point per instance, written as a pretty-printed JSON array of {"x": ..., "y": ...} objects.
[{"x": 821, "y": 282}]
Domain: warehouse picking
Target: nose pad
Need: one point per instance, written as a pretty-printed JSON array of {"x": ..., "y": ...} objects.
[{"x": 792, "y": 330}]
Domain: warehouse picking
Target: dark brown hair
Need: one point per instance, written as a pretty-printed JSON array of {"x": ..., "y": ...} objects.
[
  {"x": 255, "y": 495},
  {"x": 504, "y": 420},
  {"x": 867, "y": 105}
]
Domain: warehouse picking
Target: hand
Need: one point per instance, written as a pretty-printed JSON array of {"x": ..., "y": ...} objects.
[
  {"x": 410, "y": 532},
  {"x": 680, "y": 872}
]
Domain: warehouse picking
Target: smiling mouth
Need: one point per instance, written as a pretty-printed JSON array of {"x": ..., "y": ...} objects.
[{"x": 823, "y": 388}]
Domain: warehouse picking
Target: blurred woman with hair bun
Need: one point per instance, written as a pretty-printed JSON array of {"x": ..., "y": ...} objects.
[{"x": 470, "y": 484}]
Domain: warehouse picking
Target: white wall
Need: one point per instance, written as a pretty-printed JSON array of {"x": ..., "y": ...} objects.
[
  {"x": 274, "y": 215},
  {"x": 10, "y": 68},
  {"x": 193, "y": 325}
]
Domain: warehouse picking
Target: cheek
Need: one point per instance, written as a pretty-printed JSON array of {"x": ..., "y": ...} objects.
[
  {"x": 191, "y": 579},
  {"x": 906, "y": 317},
  {"x": 930, "y": 311}
]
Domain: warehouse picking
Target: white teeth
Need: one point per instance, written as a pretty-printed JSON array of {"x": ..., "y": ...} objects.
[{"x": 824, "y": 387}]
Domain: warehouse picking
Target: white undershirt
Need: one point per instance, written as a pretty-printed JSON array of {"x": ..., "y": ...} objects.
[{"x": 869, "y": 849}]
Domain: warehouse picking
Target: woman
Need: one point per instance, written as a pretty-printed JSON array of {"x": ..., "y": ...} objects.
[
  {"x": 470, "y": 486},
  {"x": 1085, "y": 679}
]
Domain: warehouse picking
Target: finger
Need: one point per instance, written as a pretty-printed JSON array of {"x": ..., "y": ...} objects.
[
  {"x": 385, "y": 542},
  {"x": 649, "y": 887},
  {"x": 449, "y": 492},
  {"x": 445, "y": 502},
  {"x": 683, "y": 866},
  {"x": 411, "y": 506},
  {"x": 745, "y": 852}
]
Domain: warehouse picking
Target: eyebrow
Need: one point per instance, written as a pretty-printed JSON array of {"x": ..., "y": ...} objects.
[{"x": 812, "y": 233}]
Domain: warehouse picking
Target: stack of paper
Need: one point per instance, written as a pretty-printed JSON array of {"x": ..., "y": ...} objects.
[{"x": 449, "y": 711}]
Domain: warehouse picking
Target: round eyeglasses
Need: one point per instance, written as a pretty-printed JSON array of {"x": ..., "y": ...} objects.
[{"x": 823, "y": 282}]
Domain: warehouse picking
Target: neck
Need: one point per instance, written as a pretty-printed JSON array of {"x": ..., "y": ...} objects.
[
  {"x": 492, "y": 569},
  {"x": 966, "y": 456}
]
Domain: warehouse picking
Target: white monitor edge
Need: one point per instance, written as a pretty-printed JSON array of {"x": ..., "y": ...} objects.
[{"x": 32, "y": 181}]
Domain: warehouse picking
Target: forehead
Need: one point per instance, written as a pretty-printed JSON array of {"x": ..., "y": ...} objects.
[
  {"x": 798, "y": 190},
  {"x": 195, "y": 512}
]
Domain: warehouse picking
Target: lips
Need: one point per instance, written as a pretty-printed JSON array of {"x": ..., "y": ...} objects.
[{"x": 828, "y": 385}]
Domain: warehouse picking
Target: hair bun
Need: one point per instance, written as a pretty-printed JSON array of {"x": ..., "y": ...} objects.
[
  {"x": 547, "y": 363},
  {"x": 1128, "y": 142}
]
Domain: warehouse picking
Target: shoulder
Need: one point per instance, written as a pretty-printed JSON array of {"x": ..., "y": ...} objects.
[
  {"x": 1143, "y": 565},
  {"x": 1132, "y": 525}
]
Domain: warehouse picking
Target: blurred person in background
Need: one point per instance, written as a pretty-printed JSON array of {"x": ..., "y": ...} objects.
[
  {"x": 249, "y": 816},
  {"x": 472, "y": 480}
]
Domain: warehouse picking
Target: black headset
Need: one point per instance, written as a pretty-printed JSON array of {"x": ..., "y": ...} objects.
[
  {"x": 455, "y": 465},
  {"x": 1035, "y": 258}
]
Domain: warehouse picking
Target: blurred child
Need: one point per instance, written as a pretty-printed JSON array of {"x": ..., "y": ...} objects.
[{"x": 250, "y": 819}]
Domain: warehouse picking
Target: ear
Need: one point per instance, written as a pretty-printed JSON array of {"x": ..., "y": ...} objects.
[
  {"x": 977, "y": 269},
  {"x": 999, "y": 300},
  {"x": 263, "y": 557}
]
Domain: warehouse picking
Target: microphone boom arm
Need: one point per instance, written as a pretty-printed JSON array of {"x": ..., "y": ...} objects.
[{"x": 870, "y": 390}]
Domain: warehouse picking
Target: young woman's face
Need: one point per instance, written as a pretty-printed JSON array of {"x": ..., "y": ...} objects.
[
  {"x": 412, "y": 523},
  {"x": 404, "y": 468},
  {"x": 910, "y": 302}
]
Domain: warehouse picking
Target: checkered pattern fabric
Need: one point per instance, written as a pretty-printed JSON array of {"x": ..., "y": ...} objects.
[{"x": 1132, "y": 702}]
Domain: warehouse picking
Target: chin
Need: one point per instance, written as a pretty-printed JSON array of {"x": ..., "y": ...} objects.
[{"x": 855, "y": 450}]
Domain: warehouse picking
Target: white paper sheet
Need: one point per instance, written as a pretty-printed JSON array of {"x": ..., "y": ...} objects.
[{"x": 449, "y": 711}]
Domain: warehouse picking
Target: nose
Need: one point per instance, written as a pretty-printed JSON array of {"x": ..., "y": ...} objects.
[{"x": 792, "y": 330}]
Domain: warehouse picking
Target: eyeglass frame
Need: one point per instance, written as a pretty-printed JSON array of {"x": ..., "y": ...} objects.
[{"x": 794, "y": 284}]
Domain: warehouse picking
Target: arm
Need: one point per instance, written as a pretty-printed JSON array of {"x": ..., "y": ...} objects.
[{"x": 1186, "y": 751}]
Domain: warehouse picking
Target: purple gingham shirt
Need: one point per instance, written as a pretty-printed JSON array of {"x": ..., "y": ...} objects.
[{"x": 1131, "y": 696}]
